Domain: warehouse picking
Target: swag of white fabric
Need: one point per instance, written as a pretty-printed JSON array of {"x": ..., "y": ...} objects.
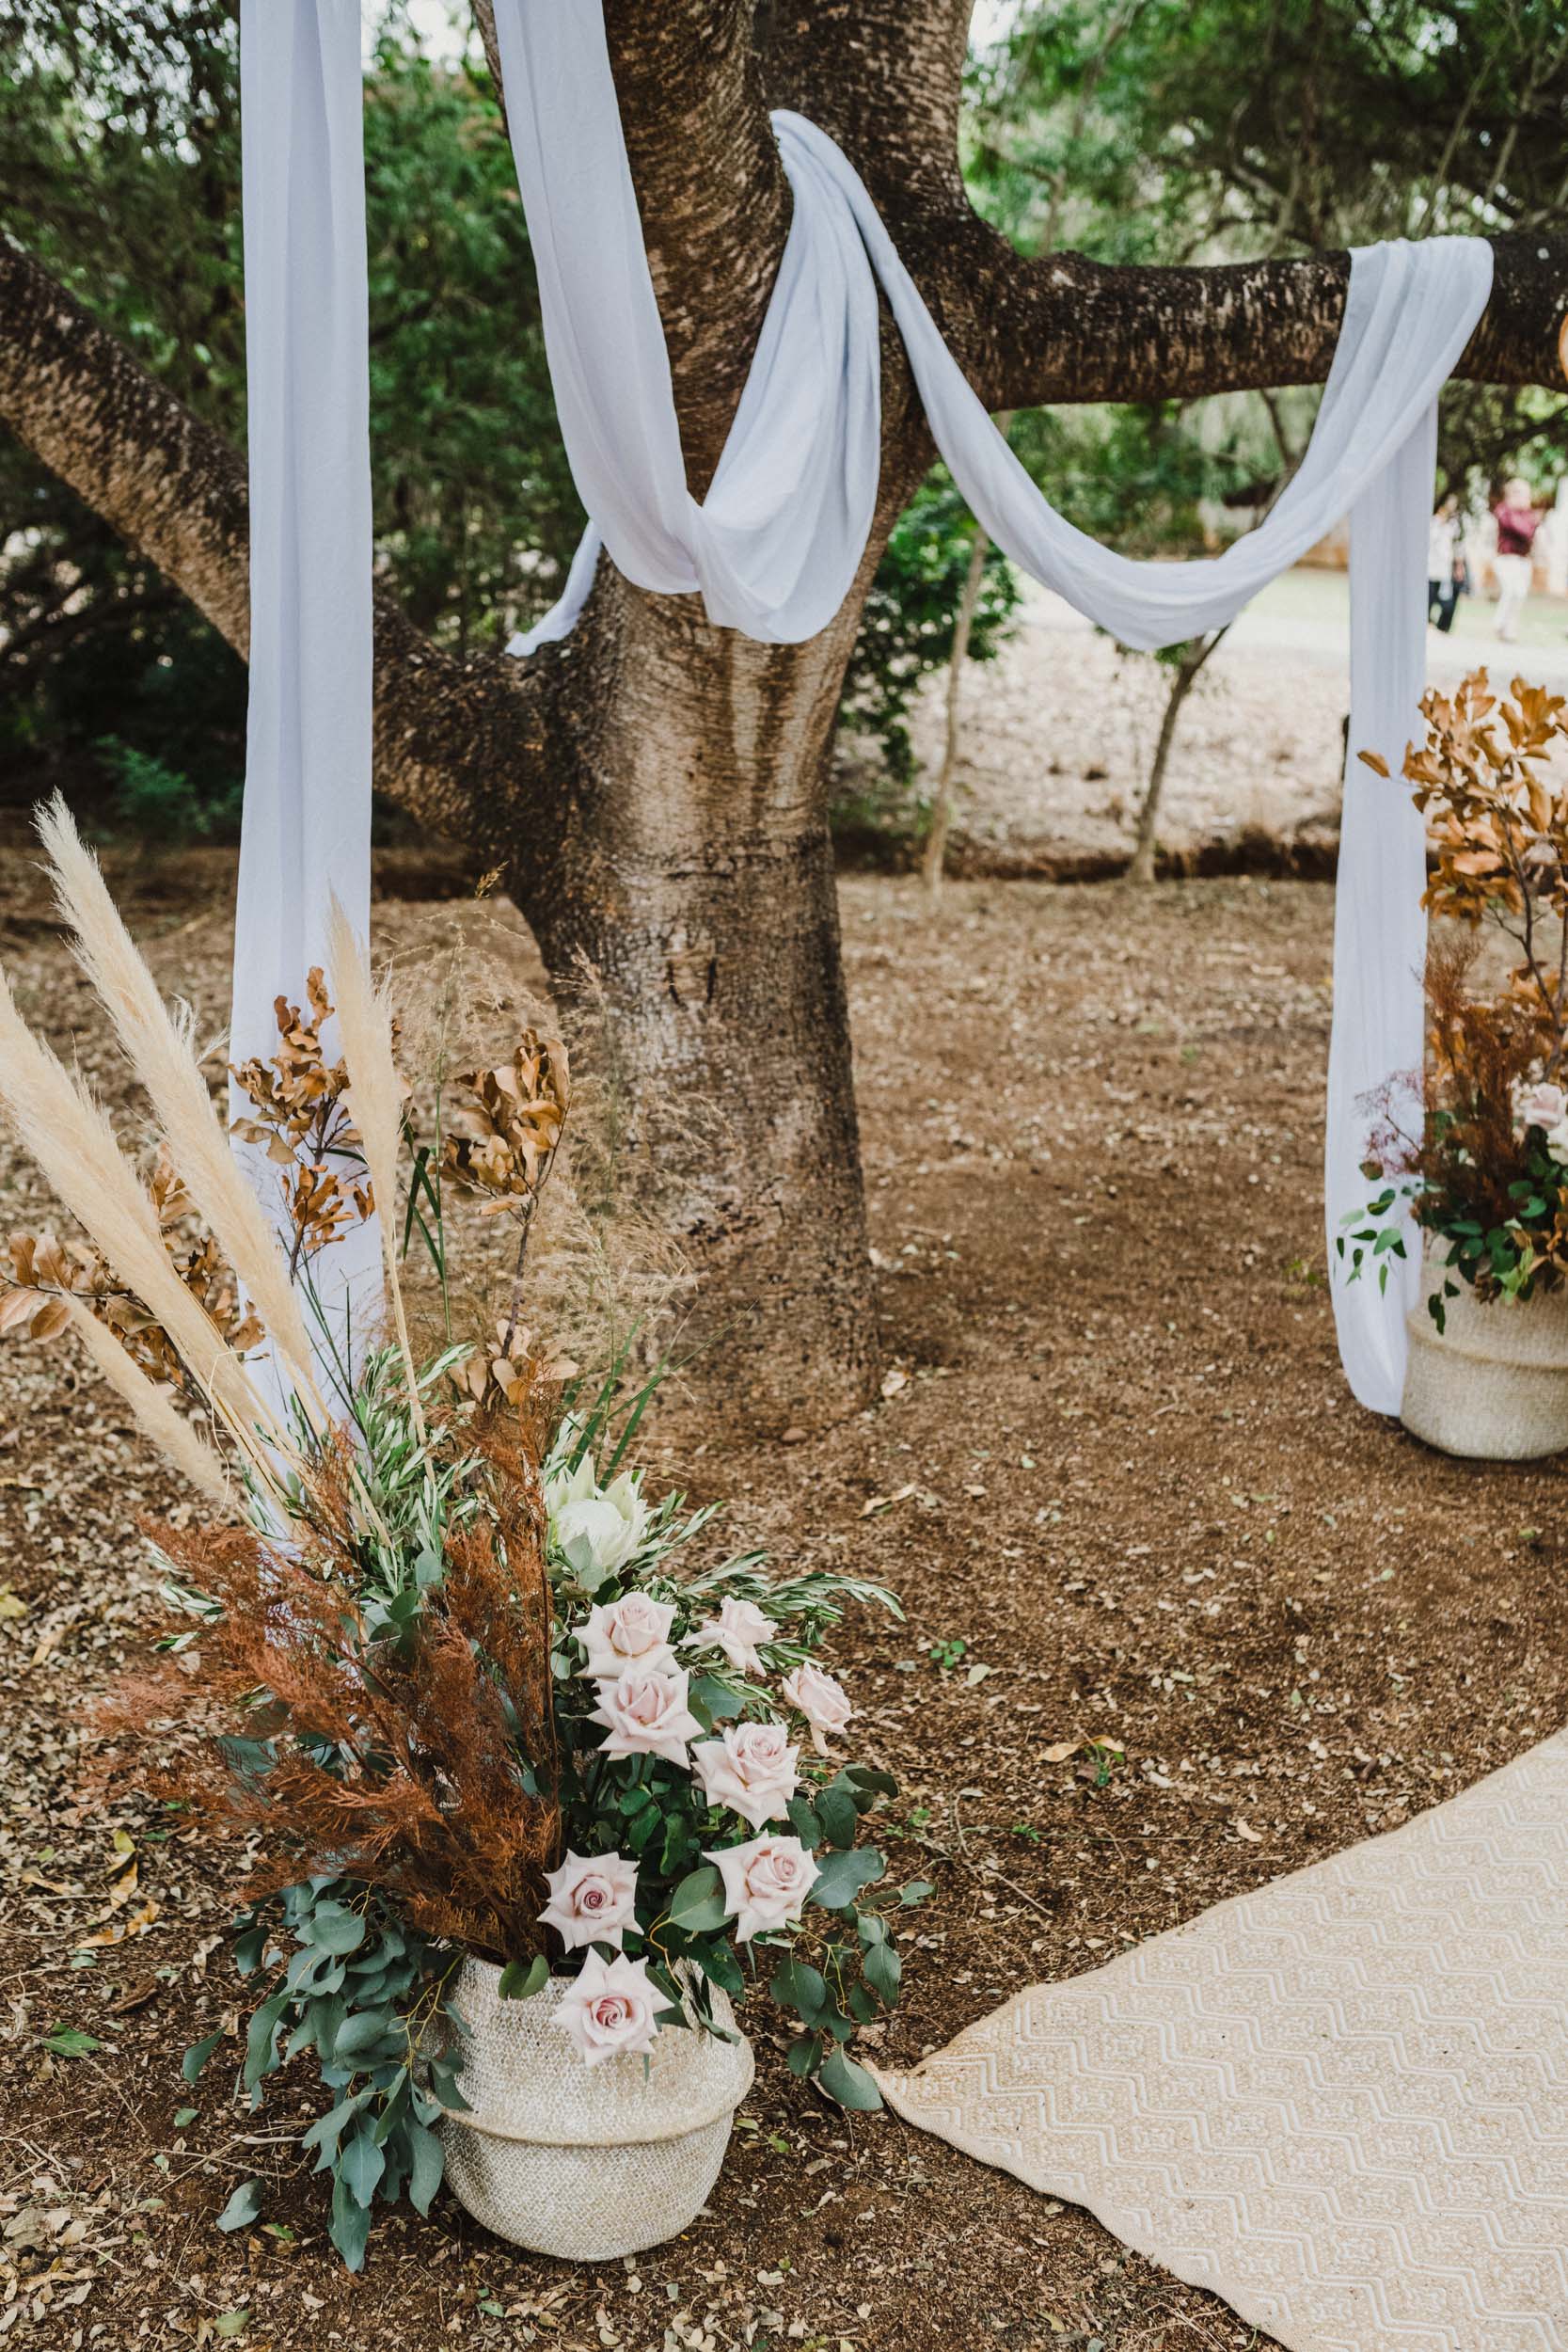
[{"x": 774, "y": 547}]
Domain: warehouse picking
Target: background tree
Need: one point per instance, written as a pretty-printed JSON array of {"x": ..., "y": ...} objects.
[
  {"x": 1151, "y": 133},
  {"x": 120, "y": 167},
  {"x": 655, "y": 789}
]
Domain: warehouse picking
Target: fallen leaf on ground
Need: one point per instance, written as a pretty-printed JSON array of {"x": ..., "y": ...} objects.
[{"x": 885, "y": 1502}]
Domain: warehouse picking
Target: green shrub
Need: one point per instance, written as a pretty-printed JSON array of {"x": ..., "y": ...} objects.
[
  {"x": 907, "y": 630},
  {"x": 160, "y": 806}
]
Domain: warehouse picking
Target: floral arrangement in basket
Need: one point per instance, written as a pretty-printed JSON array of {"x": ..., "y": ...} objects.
[
  {"x": 439, "y": 1665},
  {"x": 1485, "y": 1169}
]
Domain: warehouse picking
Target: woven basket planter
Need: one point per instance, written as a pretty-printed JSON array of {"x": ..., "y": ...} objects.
[
  {"x": 586, "y": 2163},
  {"x": 1493, "y": 1385}
]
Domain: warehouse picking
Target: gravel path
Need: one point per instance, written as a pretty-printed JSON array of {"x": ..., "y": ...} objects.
[{"x": 1059, "y": 732}]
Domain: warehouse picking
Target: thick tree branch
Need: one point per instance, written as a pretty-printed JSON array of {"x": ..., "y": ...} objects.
[
  {"x": 139, "y": 457},
  {"x": 882, "y": 77},
  {"x": 174, "y": 488},
  {"x": 1063, "y": 328}
]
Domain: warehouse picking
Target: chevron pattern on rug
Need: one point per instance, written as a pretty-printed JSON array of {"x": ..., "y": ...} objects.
[{"x": 1341, "y": 2103}]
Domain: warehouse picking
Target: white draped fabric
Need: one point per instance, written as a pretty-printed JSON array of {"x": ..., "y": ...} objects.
[
  {"x": 775, "y": 545},
  {"x": 305, "y": 832}
]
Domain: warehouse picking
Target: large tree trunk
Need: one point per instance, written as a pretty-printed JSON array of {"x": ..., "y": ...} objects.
[
  {"x": 696, "y": 878},
  {"x": 654, "y": 787}
]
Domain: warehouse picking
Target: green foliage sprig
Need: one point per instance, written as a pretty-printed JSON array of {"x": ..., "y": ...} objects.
[{"x": 370, "y": 1996}]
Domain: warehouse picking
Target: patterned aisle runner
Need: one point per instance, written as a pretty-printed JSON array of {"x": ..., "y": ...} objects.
[{"x": 1341, "y": 2104}]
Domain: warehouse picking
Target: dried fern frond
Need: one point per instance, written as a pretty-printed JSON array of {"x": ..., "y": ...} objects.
[{"x": 160, "y": 1050}]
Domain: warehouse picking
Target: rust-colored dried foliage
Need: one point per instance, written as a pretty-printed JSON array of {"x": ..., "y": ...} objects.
[
  {"x": 427, "y": 1733},
  {"x": 1497, "y": 827},
  {"x": 504, "y": 1129},
  {"x": 301, "y": 1121},
  {"x": 1489, "y": 779},
  {"x": 501, "y": 1139}
]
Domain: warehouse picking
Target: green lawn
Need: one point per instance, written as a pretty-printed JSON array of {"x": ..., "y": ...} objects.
[{"x": 1321, "y": 599}]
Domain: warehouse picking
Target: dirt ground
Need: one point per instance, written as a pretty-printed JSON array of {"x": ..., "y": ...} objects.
[{"x": 1121, "y": 1486}]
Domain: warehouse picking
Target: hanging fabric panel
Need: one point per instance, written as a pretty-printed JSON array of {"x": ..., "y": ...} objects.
[{"x": 305, "y": 832}]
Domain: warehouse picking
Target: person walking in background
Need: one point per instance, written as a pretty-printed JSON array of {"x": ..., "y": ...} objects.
[
  {"x": 1518, "y": 522},
  {"x": 1445, "y": 564}
]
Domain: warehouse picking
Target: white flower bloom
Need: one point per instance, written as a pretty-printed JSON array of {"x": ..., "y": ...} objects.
[
  {"x": 1556, "y": 1143},
  {"x": 736, "y": 1630},
  {"x": 1541, "y": 1104},
  {"x": 592, "y": 1898},
  {"x": 609, "y": 2009},
  {"x": 765, "y": 1884},
  {"x": 631, "y": 1631},
  {"x": 752, "y": 1769},
  {"x": 610, "y": 1520},
  {"x": 645, "y": 1713},
  {"x": 823, "y": 1702},
  {"x": 563, "y": 1483}
]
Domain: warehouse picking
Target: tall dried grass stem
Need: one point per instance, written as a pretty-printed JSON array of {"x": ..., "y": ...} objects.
[
  {"x": 73, "y": 1143},
  {"x": 375, "y": 1101},
  {"x": 191, "y": 1455},
  {"x": 160, "y": 1052}
]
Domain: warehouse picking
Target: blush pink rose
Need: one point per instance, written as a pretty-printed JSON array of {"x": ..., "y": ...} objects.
[
  {"x": 765, "y": 1882},
  {"x": 752, "y": 1769},
  {"x": 592, "y": 1898},
  {"x": 609, "y": 2009},
  {"x": 1542, "y": 1106},
  {"x": 736, "y": 1630},
  {"x": 631, "y": 1631},
  {"x": 645, "y": 1713},
  {"x": 823, "y": 1702}
]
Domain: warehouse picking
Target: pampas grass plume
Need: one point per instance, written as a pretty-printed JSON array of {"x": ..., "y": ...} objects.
[
  {"x": 73, "y": 1143},
  {"x": 161, "y": 1054},
  {"x": 191, "y": 1455},
  {"x": 375, "y": 1100}
]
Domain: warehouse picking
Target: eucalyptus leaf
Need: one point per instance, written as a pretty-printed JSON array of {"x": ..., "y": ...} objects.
[
  {"x": 360, "y": 2164},
  {"x": 332, "y": 1929},
  {"x": 426, "y": 2163},
  {"x": 248, "y": 1949},
  {"x": 881, "y": 1969},
  {"x": 803, "y": 1821},
  {"x": 697, "y": 1906},
  {"x": 350, "y": 2225},
  {"x": 839, "y": 1815},
  {"x": 848, "y": 2083},
  {"x": 802, "y": 2054},
  {"x": 197, "y": 2056},
  {"x": 258, "y": 2056},
  {"x": 841, "y": 1875},
  {"x": 520, "y": 1982},
  {"x": 361, "y": 2031},
  {"x": 243, "y": 2207},
  {"x": 799, "y": 1986},
  {"x": 329, "y": 2129}
]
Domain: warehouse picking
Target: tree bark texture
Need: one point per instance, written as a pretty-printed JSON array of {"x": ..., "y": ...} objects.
[{"x": 655, "y": 789}]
